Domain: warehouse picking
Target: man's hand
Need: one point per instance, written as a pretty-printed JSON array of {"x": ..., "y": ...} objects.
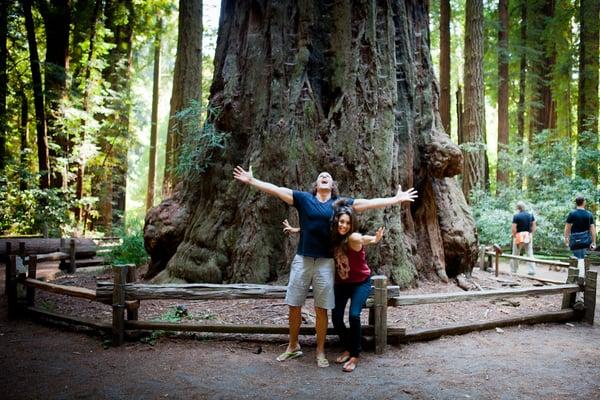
[
  {"x": 409, "y": 195},
  {"x": 287, "y": 228},
  {"x": 242, "y": 175}
]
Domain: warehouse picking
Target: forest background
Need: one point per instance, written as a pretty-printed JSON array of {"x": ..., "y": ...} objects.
[{"x": 83, "y": 84}]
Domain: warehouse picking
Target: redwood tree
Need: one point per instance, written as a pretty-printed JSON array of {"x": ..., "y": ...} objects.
[
  {"x": 502, "y": 173},
  {"x": 445, "y": 15},
  {"x": 587, "y": 110},
  {"x": 187, "y": 84},
  {"x": 474, "y": 172},
  {"x": 346, "y": 87}
]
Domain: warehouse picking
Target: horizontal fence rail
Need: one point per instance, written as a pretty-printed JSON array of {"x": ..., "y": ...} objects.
[
  {"x": 412, "y": 300},
  {"x": 535, "y": 260},
  {"x": 201, "y": 291}
]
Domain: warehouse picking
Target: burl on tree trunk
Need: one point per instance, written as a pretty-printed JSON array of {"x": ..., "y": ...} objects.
[{"x": 346, "y": 87}]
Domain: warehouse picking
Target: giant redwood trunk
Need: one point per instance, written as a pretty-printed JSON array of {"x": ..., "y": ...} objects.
[{"x": 346, "y": 87}]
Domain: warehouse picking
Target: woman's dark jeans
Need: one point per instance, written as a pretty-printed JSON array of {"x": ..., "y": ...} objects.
[{"x": 357, "y": 293}]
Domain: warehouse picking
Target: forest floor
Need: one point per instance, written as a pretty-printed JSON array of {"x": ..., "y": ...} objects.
[{"x": 546, "y": 361}]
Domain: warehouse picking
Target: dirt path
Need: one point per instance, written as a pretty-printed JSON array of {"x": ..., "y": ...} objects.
[{"x": 553, "y": 361}]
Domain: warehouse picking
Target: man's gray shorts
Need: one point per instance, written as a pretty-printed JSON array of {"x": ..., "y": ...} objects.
[{"x": 320, "y": 272}]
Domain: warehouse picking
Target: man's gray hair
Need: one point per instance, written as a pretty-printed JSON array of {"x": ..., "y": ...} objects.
[{"x": 521, "y": 206}]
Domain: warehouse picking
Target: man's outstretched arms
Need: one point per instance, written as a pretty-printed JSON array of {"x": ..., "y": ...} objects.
[
  {"x": 246, "y": 177},
  {"x": 361, "y": 205}
]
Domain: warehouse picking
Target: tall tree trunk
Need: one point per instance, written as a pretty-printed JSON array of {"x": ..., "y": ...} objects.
[
  {"x": 587, "y": 110},
  {"x": 460, "y": 132},
  {"x": 154, "y": 118},
  {"x": 87, "y": 84},
  {"x": 522, "y": 87},
  {"x": 111, "y": 178},
  {"x": 3, "y": 83},
  {"x": 543, "y": 106},
  {"x": 445, "y": 15},
  {"x": 57, "y": 19},
  {"x": 346, "y": 87},
  {"x": 24, "y": 135},
  {"x": 38, "y": 98},
  {"x": 501, "y": 171},
  {"x": 474, "y": 169},
  {"x": 187, "y": 85}
]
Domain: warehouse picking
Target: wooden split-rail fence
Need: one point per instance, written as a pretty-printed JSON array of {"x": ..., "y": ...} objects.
[
  {"x": 71, "y": 253},
  {"x": 124, "y": 296}
]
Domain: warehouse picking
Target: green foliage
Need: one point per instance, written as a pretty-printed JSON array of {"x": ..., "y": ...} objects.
[
  {"x": 203, "y": 142},
  {"x": 131, "y": 250},
  {"x": 34, "y": 211}
]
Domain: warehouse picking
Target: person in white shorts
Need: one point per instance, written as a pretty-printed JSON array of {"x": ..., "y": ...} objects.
[{"x": 313, "y": 263}]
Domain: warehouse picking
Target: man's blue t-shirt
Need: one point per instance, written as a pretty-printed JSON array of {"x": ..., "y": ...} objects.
[
  {"x": 580, "y": 219},
  {"x": 315, "y": 224},
  {"x": 523, "y": 220}
]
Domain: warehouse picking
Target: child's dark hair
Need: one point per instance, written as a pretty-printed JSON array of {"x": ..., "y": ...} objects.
[{"x": 341, "y": 207}]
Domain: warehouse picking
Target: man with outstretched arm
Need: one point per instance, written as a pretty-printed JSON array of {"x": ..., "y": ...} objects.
[{"x": 313, "y": 263}]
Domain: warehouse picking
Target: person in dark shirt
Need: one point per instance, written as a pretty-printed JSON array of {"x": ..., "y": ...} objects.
[
  {"x": 523, "y": 228},
  {"x": 313, "y": 263},
  {"x": 580, "y": 220}
]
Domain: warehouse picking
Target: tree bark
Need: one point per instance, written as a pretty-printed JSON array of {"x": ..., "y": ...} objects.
[
  {"x": 38, "y": 98},
  {"x": 111, "y": 178},
  {"x": 87, "y": 84},
  {"x": 542, "y": 105},
  {"x": 154, "y": 118},
  {"x": 501, "y": 172},
  {"x": 522, "y": 83},
  {"x": 474, "y": 170},
  {"x": 187, "y": 81},
  {"x": 445, "y": 15},
  {"x": 587, "y": 110},
  {"x": 3, "y": 83},
  {"x": 24, "y": 136},
  {"x": 346, "y": 87},
  {"x": 57, "y": 19}
]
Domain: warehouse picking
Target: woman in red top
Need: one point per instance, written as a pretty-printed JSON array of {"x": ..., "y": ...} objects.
[{"x": 352, "y": 280}]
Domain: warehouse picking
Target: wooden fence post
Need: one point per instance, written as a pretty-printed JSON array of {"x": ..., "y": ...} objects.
[
  {"x": 569, "y": 298},
  {"x": 31, "y": 273},
  {"x": 589, "y": 296},
  {"x": 380, "y": 323},
  {"x": 72, "y": 267},
  {"x": 22, "y": 249},
  {"x": 118, "y": 304},
  {"x": 11, "y": 285},
  {"x": 6, "y": 270},
  {"x": 132, "y": 305}
]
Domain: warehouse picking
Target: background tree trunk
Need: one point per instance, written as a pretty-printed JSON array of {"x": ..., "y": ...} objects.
[
  {"x": 474, "y": 171},
  {"x": 521, "y": 107},
  {"x": 57, "y": 19},
  {"x": 111, "y": 177},
  {"x": 346, "y": 87},
  {"x": 3, "y": 83},
  {"x": 187, "y": 81},
  {"x": 501, "y": 171},
  {"x": 587, "y": 110},
  {"x": 154, "y": 118},
  {"x": 38, "y": 98},
  {"x": 24, "y": 136},
  {"x": 445, "y": 15}
]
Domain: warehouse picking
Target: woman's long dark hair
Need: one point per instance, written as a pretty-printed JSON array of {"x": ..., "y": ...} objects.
[{"x": 341, "y": 207}]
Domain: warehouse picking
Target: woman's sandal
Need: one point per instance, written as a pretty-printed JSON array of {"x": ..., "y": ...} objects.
[
  {"x": 322, "y": 361},
  {"x": 342, "y": 358},
  {"x": 349, "y": 366},
  {"x": 289, "y": 355}
]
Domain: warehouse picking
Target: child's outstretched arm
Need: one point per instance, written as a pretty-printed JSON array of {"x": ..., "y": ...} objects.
[{"x": 287, "y": 228}]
